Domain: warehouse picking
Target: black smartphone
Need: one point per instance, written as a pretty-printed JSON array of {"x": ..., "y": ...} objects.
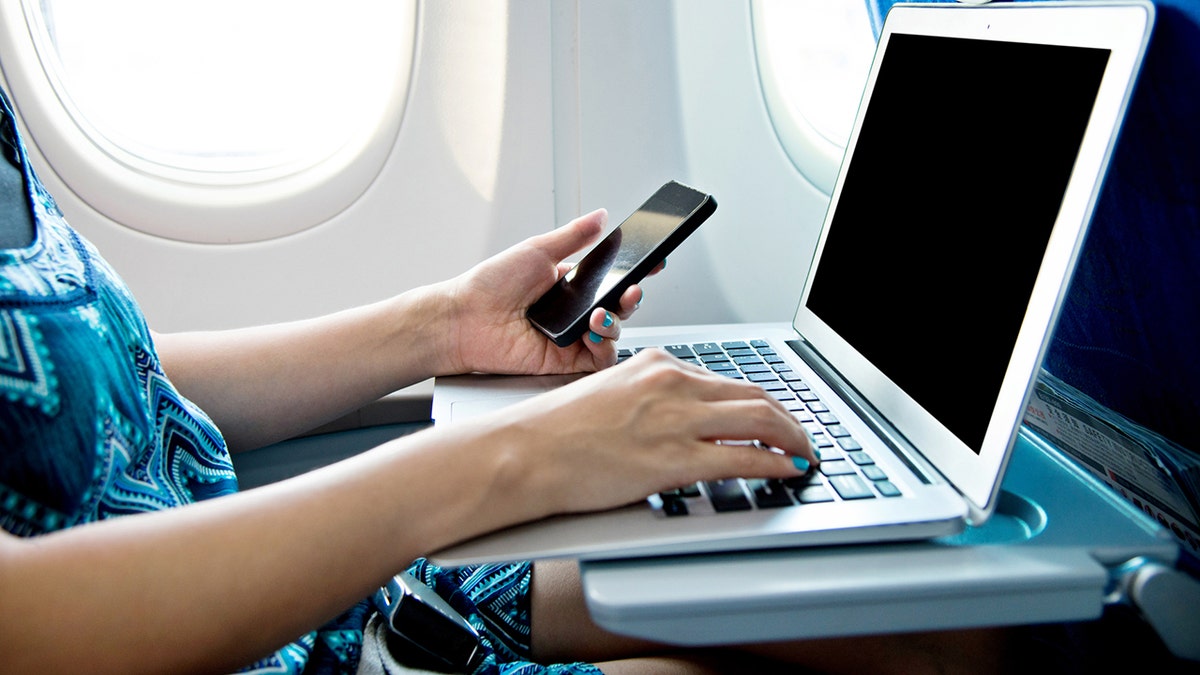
[{"x": 621, "y": 259}]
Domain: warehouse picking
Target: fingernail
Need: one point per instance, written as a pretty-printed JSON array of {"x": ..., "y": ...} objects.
[
  {"x": 801, "y": 464},
  {"x": 608, "y": 320},
  {"x": 639, "y": 302},
  {"x": 594, "y": 337}
]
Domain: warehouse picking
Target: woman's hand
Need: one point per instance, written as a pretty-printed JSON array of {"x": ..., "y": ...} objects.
[
  {"x": 489, "y": 331},
  {"x": 651, "y": 424}
]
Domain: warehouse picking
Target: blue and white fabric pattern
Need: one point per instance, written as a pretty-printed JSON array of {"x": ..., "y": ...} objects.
[{"x": 90, "y": 426}]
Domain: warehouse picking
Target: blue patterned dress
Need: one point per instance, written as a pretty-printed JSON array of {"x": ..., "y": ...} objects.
[{"x": 91, "y": 428}]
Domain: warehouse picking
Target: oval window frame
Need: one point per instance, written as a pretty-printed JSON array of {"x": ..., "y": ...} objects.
[
  {"x": 196, "y": 206},
  {"x": 817, "y": 157}
]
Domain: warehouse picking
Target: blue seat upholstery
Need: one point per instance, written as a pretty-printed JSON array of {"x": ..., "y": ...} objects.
[{"x": 1129, "y": 335}]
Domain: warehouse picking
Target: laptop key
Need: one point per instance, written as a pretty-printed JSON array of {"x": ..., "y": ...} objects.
[
  {"x": 814, "y": 494},
  {"x": 837, "y": 430},
  {"x": 679, "y": 351},
  {"x": 873, "y": 472},
  {"x": 860, "y": 458},
  {"x": 822, "y": 441},
  {"x": 761, "y": 377},
  {"x": 707, "y": 348},
  {"x": 849, "y": 444},
  {"x": 887, "y": 489},
  {"x": 838, "y": 467},
  {"x": 770, "y": 494},
  {"x": 727, "y": 495},
  {"x": 827, "y": 418},
  {"x": 851, "y": 486},
  {"x": 673, "y": 504}
]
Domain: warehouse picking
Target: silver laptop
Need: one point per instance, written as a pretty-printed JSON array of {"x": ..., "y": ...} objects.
[{"x": 961, "y": 206}]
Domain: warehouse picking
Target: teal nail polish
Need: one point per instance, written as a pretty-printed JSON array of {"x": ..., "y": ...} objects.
[
  {"x": 608, "y": 320},
  {"x": 594, "y": 337},
  {"x": 801, "y": 463}
]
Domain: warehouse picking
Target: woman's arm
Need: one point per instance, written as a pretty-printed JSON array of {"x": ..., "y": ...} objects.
[
  {"x": 215, "y": 585},
  {"x": 268, "y": 383}
]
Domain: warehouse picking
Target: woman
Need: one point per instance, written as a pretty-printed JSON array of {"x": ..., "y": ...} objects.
[{"x": 100, "y": 419}]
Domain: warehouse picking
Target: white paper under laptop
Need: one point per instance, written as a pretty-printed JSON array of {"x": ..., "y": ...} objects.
[{"x": 954, "y": 226}]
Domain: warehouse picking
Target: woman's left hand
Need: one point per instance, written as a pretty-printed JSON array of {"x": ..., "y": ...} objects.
[{"x": 489, "y": 330}]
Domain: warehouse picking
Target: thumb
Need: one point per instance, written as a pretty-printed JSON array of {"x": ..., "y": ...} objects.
[{"x": 561, "y": 242}]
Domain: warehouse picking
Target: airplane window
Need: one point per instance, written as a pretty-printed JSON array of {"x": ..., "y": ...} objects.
[
  {"x": 813, "y": 58},
  {"x": 260, "y": 99}
]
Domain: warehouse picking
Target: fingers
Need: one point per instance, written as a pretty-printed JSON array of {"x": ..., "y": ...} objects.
[
  {"x": 746, "y": 460},
  {"x": 630, "y": 300},
  {"x": 731, "y": 410},
  {"x": 603, "y": 325},
  {"x": 604, "y": 329},
  {"x": 762, "y": 420}
]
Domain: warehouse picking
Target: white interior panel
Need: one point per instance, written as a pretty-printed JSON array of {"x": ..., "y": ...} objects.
[
  {"x": 671, "y": 90},
  {"x": 520, "y": 116}
]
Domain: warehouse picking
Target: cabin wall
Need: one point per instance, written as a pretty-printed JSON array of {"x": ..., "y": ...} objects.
[{"x": 521, "y": 116}]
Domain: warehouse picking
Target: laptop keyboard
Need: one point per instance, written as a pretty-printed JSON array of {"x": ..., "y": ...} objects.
[{"x": 846, "y": 471}]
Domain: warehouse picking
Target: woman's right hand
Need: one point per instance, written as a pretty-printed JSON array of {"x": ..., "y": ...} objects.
[{"x": 650, "y": 424}]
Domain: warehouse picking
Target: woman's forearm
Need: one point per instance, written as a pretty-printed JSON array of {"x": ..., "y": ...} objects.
[
  {"x": 265, "y": 384},
  {"x": 216, "y": 585}
]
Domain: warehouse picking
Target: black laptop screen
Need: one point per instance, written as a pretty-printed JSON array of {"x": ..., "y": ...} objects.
[{"x": 948, "y": 202}]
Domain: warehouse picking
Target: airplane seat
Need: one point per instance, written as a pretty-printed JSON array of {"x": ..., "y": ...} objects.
[{"x": 1128, "y": 330}]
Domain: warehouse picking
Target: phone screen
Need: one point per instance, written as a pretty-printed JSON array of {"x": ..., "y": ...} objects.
[{"x": 620, "y": 260}]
